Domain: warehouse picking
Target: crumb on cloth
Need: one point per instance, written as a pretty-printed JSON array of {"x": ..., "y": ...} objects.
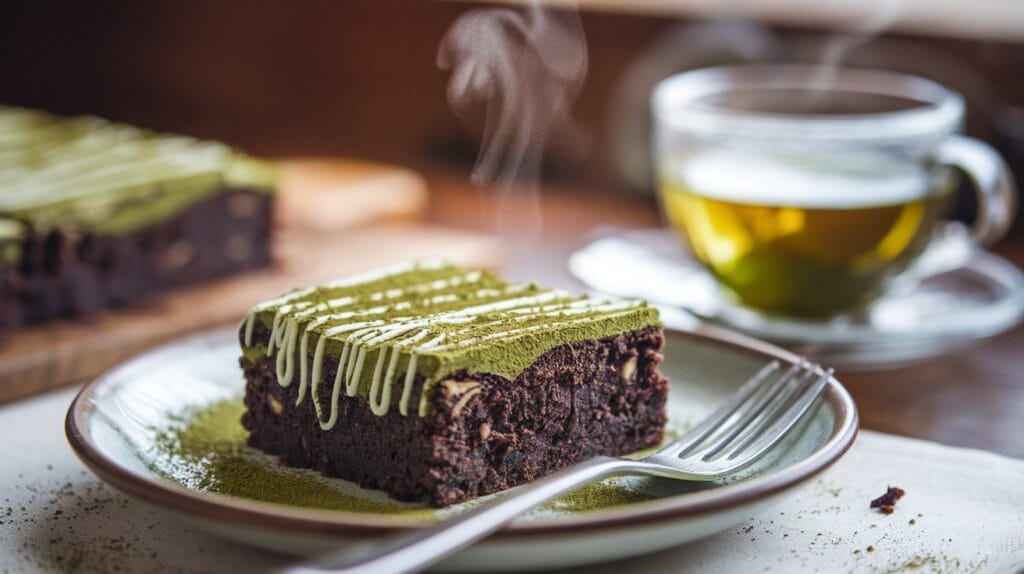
[{"x": 887, "y": 502}]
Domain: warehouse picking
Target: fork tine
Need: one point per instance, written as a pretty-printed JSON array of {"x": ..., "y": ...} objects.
[
  {"x": 756, "y": 445},
  {"x": 779, "y": 393},
  {"x": 722, "y": 414}
]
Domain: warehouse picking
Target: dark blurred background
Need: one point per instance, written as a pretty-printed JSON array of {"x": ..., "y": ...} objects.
[{"x": 359, "y": 78}]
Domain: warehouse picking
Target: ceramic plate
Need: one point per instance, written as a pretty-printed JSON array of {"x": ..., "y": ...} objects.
[{"x": 164, "y": 428}]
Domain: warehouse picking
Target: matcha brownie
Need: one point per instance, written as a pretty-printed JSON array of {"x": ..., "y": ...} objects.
[
  {"x": 437, "y": 384},
  {"x": 95, "y": 214}
]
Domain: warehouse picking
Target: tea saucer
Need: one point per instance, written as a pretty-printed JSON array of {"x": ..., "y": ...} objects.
[{"x": 978, "y": 295}]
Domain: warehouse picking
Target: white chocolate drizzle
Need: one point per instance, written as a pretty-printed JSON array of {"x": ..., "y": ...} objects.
[{"x": 381, "y": 325}]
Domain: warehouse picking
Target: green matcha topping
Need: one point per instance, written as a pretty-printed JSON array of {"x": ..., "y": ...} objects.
[
  {"x": 92, "y": 175},
  {"x": 429, "y": 319}
]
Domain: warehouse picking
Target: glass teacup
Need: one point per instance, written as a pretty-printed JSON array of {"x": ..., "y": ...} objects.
[{"x": 806, "y": 190}]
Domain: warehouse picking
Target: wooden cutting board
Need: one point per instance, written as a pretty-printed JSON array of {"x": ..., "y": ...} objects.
[{"x": 65, "y": 352}]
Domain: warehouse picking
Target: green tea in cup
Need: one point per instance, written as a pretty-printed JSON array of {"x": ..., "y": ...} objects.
[
  {"x": 797, "y": 238},
  {"x": 808, "y": 201}
]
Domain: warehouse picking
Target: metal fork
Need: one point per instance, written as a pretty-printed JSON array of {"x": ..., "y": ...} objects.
[{"x": 741, "y": 431}]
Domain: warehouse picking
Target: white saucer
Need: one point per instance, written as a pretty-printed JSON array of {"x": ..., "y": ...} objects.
[{"x": 983, "y": 295}]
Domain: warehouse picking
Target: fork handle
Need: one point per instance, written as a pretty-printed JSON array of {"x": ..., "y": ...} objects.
[{"x": 427, "y": 546}]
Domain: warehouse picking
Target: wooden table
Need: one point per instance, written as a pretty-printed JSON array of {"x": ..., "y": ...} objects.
[{"x": 972, "y": 398}]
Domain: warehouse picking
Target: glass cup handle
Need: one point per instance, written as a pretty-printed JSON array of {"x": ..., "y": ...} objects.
[
  {"x": 992, "y": 181},
  {"x": 952, "y": 247}
]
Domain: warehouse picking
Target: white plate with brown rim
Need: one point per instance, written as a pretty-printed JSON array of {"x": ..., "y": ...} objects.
[{"x": 164, "y": 427}]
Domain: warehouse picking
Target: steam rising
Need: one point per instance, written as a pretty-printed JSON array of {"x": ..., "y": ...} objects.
[
  {"x": 734, "y": 40},
  {"x": 525, "y": 67},
  {"x": 858, "y": 33}
]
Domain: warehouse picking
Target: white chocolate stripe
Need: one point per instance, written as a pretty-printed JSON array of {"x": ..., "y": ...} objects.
[
  {"x": 521, "y": 330},
  {"x": 378, "y": 275},
  {"x": 374, "y": 333},
  {"x": 393, "y": 326},
  {"x": 410, "y": 377}
]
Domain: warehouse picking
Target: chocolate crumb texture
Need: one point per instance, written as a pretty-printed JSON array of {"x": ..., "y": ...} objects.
[{"x": 497, "y": 439}]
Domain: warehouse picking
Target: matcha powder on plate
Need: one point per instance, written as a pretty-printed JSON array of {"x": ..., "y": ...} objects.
[{"x": 204, "y": 449}]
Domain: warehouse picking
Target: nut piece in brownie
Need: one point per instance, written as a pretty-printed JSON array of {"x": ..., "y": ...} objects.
[
  {"x": 95, "y": 214},
  {"x": 438, "y": 384}
]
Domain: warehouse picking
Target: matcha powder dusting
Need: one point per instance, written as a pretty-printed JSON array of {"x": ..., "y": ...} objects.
[{"x": 205, "y": 450}]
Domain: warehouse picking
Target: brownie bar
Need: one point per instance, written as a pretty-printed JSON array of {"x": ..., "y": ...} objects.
[
  {"x": 63, "y": 275},
  {"x": 437, "y": 384},
  {"x": 95, "y": 214},
  {"x": 484, "y": 433}
]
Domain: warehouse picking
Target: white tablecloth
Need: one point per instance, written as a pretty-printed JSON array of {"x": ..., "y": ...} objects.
[{"x": 963, "y": 512}]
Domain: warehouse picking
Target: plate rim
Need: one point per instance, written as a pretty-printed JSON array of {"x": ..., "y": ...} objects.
[{"x": 226, "y": 509}]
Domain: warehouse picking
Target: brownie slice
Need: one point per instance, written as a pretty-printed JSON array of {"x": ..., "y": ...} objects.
[
  {"x": 95, "y": 214},
  {"x": 509, "y": 383},
  {"x": 68, "y": 275}
]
